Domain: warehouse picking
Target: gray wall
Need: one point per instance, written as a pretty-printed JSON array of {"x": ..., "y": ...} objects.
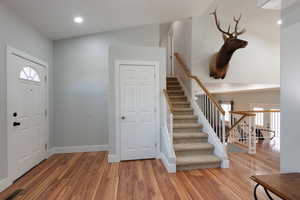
[
  {"x": 290, "y": 94},
  {"x": 182, "y": 37},
  {"x": 81, "y": 83},
  {"x": 132, "y": 53},
  {"x": 18, "y": 34}
]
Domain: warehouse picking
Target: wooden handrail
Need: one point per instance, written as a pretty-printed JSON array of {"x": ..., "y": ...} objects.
[
  {"x": 200, "y": 84},
  {"x": 168, "y": 100},
  {"x": 254, "y": 111},
  {"x": 236, "y": 123},
  {"x": 247, "y": 113}
]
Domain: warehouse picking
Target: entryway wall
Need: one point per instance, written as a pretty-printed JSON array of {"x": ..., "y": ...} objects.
[{"x": 82, "y": 84}]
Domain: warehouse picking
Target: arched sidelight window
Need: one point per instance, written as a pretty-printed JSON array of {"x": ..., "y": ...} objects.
[{"x": 29, "y": 74}]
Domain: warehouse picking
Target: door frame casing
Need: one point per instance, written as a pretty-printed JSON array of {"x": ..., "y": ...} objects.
[
  {"x": 9, "y": 52},
  {"x": 117, "y": 95}
]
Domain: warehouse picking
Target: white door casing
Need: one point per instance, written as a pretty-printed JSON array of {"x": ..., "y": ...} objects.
[
  {"x": 137, "y": 118},
  {"x": 27, "y": 105}
]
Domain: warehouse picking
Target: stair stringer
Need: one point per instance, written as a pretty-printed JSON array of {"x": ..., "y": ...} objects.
[
  {"x": 167, "y": 155},
  {"x": 213, "y": 139}
]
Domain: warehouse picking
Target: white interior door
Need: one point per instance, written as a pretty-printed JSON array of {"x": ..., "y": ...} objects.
[
  {"x": 26, "y": 93},
  {"x": 138, "y": 112}
]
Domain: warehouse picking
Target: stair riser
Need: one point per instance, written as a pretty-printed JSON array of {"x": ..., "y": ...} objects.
[
  {"x": 171, "y": 79},
  {"x": 199, "y": 166},
  {"x": 177, "y": 94},
  {"x": 183, "y": 112},
  {"x": 190, "y": 140},
  {"x": 181, "y": 105},
  {"x": 187, "y": 130},
  {"x": 180, "y": 121},
  {"x": 178, "y": 99},
  {"x": 179, "y": 91},
  {"x": 174, "y": 88},
  {"x": 173, "y": 83},
  {"x": 194, "y": 152}
]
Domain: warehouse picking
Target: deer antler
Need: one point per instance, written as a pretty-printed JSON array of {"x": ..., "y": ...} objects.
[
  {"x": 219, "y": 26},
  {"x": 237, "y": 21}
]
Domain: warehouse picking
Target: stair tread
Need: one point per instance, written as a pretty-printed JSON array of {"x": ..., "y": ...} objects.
[
  {"x": 181, "y": 102},
  {"x": 196, "y": 159},
  {"x": 177, "y": 96},
  {"x": 177, "y": 92},
  {"x": 187, "y": 125},
  {"x": 185, "y": 117},
  {"x": 190, "y": 135},
  {"x": 183, "y": 109},
  {"x": 193, "y": 146},
  {"x": 174, "y": 90}
]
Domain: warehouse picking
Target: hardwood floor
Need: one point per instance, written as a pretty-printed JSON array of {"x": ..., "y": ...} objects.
[{"x": 88, "y": 176}]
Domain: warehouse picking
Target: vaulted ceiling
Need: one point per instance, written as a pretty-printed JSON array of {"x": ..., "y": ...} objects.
[{"x": 55, "y": 17}]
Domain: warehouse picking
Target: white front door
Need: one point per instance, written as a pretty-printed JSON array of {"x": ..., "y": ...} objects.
[
  {"x": 26, "y": 99},
  {"x": 138, "y": 126}
]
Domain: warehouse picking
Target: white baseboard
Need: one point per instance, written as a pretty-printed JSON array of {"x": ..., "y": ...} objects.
[
  {"x": 171, "y": 167},
  {"x": 50, "y": 152},
  {"x": 5, "y": 183},
  {"x": 113, "y": 158},
  {"x": 77, "y": 149}
]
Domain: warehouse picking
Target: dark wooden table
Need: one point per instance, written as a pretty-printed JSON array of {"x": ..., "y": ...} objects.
[{"x": 285, "y": 186}]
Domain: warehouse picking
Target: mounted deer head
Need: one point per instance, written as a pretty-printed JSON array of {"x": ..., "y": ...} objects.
[{"x": 220, "y": 61}]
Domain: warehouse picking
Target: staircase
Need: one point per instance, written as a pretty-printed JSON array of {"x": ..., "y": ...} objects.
[{"x": 190, "y": 144}]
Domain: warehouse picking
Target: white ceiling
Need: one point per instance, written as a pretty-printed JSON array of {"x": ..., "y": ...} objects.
[
  {"x": 55, "y": 17},
  {"x": 271, "y": 4},
  {"x": 235, "y": 87}
]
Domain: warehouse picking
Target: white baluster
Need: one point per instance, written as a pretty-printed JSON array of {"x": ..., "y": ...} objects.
[
  {"x": 213, "y": 117},
  {"x": 223, "y": 129},
  {"x": 252, "y": 136}
]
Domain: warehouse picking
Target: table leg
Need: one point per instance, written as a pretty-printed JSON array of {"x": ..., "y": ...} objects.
[
  {"x": 255, "y": 190},
  {"x": 266, "y": 191}
]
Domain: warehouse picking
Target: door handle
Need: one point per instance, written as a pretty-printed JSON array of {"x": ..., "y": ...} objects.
[
  {"x": 16, "y": 124},
  {"x": 123, "y": 118}
]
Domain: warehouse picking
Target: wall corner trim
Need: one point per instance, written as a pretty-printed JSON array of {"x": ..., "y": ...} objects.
[
  {"x": 113, "y": 158},
  {"x": 5, "y": 183},
  {"x": 171, "y": 167}
]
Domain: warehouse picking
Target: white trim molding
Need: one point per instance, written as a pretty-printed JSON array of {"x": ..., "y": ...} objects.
[
  {"x": 113, "y": 158},
  {"x": 5, "y": 183},
  {"x": 77, "y": 149},
  {"x": 170, "y": 166},
  {"x": 167, "y": 154}
]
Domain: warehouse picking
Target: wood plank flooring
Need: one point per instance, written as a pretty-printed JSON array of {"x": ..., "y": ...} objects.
[{"x": 88, "y": 176}]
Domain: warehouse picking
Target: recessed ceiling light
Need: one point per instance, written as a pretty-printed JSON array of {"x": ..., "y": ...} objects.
[
  {"x": 78, "y": 20},
  {"x": 279, "y": 22}
]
